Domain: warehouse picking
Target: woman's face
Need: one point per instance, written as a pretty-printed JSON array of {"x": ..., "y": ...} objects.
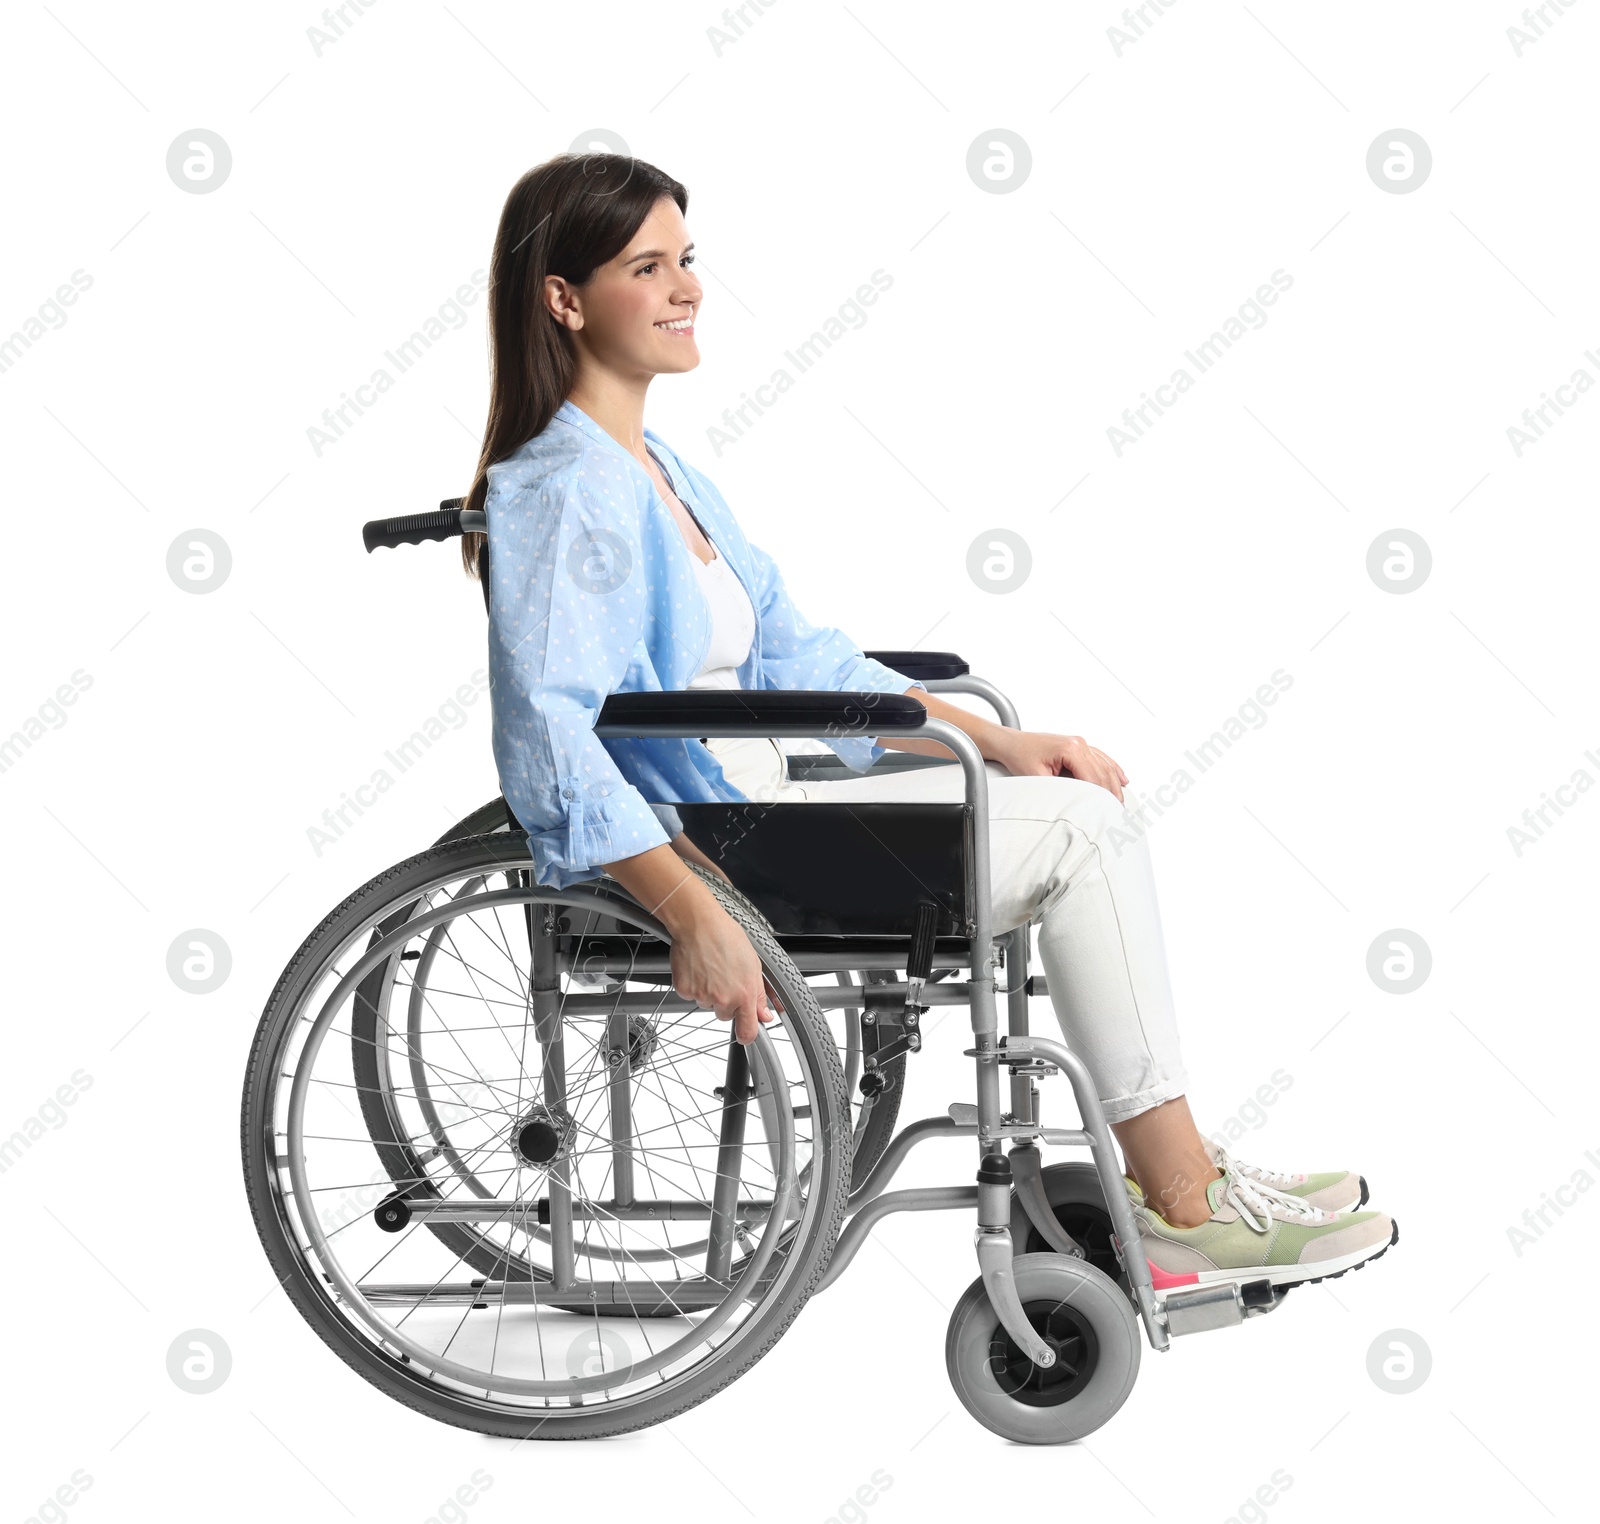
[{"x": 635, "y": 317}]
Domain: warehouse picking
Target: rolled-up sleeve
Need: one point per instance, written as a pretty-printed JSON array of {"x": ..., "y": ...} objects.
[
  {"x": 566, "y": 610},
  {"x": 798, "y": 654}
]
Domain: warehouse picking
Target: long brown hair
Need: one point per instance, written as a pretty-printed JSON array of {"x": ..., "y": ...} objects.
[{"x": 566, "y": 217}]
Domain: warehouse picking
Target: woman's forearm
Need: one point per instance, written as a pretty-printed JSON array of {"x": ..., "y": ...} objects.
[
  {"x": 989, "y": 737},
  {"x": 690, "y": 853},
  {"x": 658, "y": 880}
]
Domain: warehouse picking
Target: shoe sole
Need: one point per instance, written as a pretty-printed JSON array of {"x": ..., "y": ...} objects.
[{"x": 1274, "y": 1275}]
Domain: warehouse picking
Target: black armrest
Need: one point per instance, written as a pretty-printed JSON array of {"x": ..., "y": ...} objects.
[
  {"x": 922, "y": 666},
  {"x": 757, "y": 712}
]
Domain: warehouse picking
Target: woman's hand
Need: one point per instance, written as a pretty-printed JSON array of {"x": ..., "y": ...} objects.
[
  {"x": 714, "y": 965},
  {"x": 1030, "y": 753}
]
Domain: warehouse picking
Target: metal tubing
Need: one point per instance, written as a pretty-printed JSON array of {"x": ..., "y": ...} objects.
[
  {"x": 993, "y": 1237},
  {"x": 995, "y": 1254},
  {"x": 1203, "y": 1309},
  {"x": 581, "y": 1295},
  {"x": 899, "y": 1146},
  {"x": 292, "y": 1154},
  {"x": 765, "y": 1111},
  {"x": 545, "y": 997},
  {"x": 648, "y": 1002},
  {"x": 730, "y": 1155},
  {"x": 1003, "y": 706},
  {"x": 1024, "y": 1094},
  {"x": 1126, "y": 1229},
  {"x": 478, "y": 1209},
  {"x": 617, "y": 1040},
  {"x": 1036, "y": 1203},
  {"x": 931, "y": 1198}
]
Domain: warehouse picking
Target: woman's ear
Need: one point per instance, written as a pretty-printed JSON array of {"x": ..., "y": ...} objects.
[{"x": 562, "y": 303}]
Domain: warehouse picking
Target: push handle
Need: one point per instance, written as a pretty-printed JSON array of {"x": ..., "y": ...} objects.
[{"x": 414, "y": 528}]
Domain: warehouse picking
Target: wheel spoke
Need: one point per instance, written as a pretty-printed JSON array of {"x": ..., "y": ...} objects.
[{"x": 457, "y": 1106}]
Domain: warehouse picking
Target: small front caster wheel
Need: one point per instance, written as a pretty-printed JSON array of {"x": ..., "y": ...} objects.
[
  {"x": 1090, "y": 1325},
  {"x": 1073, "y": 1191}
]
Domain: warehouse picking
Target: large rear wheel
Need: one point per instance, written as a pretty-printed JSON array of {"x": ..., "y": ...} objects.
[{"x": 526, "y": 1127}]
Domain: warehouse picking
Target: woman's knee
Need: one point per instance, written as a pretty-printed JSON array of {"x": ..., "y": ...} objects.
[{"x": 1087, "y": 807}]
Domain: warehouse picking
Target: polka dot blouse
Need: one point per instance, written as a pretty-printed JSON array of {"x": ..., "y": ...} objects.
[{"x": 592, "y": 591}]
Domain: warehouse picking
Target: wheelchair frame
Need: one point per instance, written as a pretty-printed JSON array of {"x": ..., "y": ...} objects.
[
  {"x": 1005, "y": 1180},
  {"x": 1026, "y": 1056}
]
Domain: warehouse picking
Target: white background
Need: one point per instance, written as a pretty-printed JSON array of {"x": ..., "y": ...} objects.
[{"x": 824, "y": 143}]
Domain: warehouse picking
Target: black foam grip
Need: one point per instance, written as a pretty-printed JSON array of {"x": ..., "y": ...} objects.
[{"x": 414, "y": 528}]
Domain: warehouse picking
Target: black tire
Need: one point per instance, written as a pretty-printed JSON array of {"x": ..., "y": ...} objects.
[
  {"x": 1073, "y": 1190},
  {"x": 790, "y": 1279}
]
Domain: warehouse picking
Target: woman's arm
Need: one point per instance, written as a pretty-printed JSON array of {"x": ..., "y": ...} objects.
[
  {"x": 690, "y": 853},
  {"x": 563, "y": 622},
  {"x": 1020, "y": 752},
  {"x": 798, "y": 654},
  {"x": 713, "y": 960}
]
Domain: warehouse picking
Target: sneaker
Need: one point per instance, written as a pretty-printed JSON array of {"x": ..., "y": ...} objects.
[
  {"x": 1333, "y": 1190},
  {"x": 1258, "y": 1233}
]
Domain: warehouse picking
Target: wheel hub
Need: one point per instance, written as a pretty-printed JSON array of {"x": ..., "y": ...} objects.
[
  {"x": 543, "y": 1135},
  {"x": 641, "y": 1045},
  {"x": 1077, "y": 1353}
]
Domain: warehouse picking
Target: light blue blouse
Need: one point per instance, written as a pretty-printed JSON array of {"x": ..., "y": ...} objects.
[{"x": 592, "y": 591}]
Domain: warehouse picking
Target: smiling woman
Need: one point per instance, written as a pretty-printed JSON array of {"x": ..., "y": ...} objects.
[
  {"x": 592, "y": 258},
  {"x": 617, "y": 567}
]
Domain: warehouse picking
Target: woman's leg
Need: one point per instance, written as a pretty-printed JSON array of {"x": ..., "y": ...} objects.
[
  {"x": 1066, "y": 856},
  {"x": 1168, "y": 1162},
  {"x": 1104, "y": 956}
]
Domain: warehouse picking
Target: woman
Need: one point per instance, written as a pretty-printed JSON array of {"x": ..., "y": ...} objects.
[{"x": 617, "y": 567}]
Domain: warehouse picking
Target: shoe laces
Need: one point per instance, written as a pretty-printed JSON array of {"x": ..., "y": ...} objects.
[
  {"x": 1274, "y": 1177},
  {"x": 1252, "y": 1197}
]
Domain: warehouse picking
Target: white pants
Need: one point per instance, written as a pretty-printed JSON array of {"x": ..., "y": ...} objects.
[{"x": 1099, "y": 927}]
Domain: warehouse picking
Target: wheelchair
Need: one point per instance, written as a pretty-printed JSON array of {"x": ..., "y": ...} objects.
[{"x": 520, "y": 1184}]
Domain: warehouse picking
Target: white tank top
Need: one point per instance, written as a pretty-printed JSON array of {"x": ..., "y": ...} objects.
[
  {"x": 733, "y": 625},
  {"x": 753, "y": 764}
]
